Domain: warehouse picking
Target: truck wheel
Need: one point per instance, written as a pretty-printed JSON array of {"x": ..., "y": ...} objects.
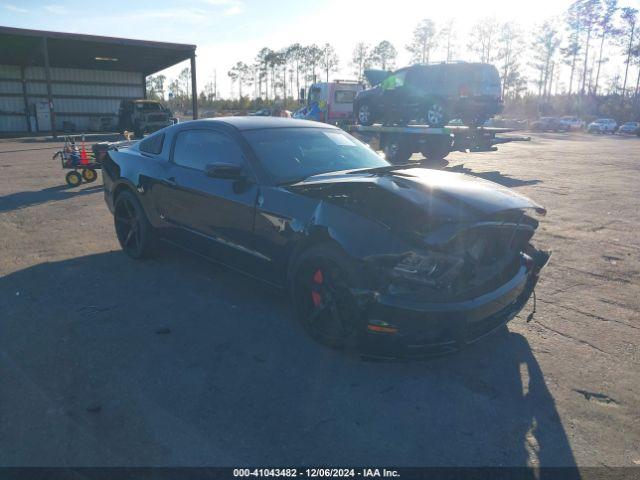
[
  {"x": 364, "y": 115},
  {"x": 137, "y": 132},
  {"x": 437, "y": 115},
  {"x": 397, "y": 150},
  {"x": 437, "y": 148}
]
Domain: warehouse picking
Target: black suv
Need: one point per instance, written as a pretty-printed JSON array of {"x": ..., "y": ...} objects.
[{"x": 433, "y": 94}]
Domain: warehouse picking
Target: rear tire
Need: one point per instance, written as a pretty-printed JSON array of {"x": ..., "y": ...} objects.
[
  {"x": 437, "y": 115},
  {"x": 397, "y": 150},
  {"x": 320, "y": 291},
  {"x": 135, "y": 233},
  {"x": 364, "y": 114},
  {"x": 437, "y": 149}
]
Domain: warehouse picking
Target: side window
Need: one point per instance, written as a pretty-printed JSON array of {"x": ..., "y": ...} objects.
[
  {"x": 199, "y": 148},
  {"x": 152, "y": 144}
]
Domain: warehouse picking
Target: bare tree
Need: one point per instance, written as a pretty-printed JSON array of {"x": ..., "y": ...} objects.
[
  {"x": 312, "y": 58},
  {"x": 294, "y": 53},
  {"x": 155, "y": 86},
  {"x": 573, "y": 22},
  {"x": 545, "y": 47},
  {"x": 233, "y": 75},
  {"x": 509, "y": 46},
  {"x": 239, "y": 73},
  {"x": 482, "y": 38},
  {"x": 606, "y": 28},
  {"x": 629, "y": 18},
  {"x": 448, "y": 38},
  {"x": 262, "y": 65},
  {"x": 423, "y": 42},
  {"x": 360, "y": 59},
  {"x": 329, "y": 60},
  {"x": 589, "y": 12},
  {"x": 384, "y": 54}
]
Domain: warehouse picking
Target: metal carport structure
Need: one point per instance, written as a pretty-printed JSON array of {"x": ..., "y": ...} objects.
[{"x": 77, "y": 74}]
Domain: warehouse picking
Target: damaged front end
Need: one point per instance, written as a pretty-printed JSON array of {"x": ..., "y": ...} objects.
[{"x": 459, "y": 282}]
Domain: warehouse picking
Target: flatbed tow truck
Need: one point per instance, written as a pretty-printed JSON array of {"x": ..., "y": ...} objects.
[{"x": 400, "y": 142}]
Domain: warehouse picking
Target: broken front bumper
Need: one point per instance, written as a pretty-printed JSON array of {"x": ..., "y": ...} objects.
[{"x": 417, "y": 329}]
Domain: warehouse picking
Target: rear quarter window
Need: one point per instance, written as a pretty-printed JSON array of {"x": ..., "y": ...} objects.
[{"x": 152, "y": 144}]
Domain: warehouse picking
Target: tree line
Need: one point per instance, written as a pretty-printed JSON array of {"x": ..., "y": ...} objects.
[{"x": 559, "y": 57}]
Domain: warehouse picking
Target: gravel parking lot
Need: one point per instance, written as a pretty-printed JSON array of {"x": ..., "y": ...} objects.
[{"x": 174, "y": 361}]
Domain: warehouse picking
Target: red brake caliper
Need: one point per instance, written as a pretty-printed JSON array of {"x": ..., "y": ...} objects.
[{"x": 318, "y": 278}]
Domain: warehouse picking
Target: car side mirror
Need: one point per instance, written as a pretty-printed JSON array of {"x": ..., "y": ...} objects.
[{"x": 225, "y": 170}]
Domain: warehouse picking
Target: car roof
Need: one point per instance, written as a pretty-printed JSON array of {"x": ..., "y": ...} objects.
[{"x": 258, "y": 123}]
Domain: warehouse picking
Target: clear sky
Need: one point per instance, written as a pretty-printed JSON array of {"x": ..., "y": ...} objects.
[{"x": 226, "y": 31}]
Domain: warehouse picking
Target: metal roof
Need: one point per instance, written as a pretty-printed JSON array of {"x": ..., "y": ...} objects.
[{"x": 72, "y": 50}]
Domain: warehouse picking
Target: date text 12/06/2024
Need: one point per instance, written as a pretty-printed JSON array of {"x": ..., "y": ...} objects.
[{"x": 316, "y": 472}]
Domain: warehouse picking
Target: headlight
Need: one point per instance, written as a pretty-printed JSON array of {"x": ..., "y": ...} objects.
[
  {"x": 432, "y": 268},
  {"x": 414, "y": 265}
]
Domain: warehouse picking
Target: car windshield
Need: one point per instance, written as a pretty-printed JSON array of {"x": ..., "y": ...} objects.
[
  {"x": 293, "y": 154},
  {"x": 148, "y": 107}
]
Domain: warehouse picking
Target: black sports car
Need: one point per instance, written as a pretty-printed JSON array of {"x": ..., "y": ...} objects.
[{"x": 381, "y": 256}]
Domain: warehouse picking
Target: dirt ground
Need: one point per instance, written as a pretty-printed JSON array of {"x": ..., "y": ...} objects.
[{"x": 174, "y": 361}]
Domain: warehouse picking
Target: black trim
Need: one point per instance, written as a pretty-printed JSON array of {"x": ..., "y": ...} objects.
[
  {"x": 80, "y": 97},
  {"x": 73, "y": 82}
]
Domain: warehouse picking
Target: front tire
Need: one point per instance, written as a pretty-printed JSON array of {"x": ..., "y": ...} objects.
[
  {"x": 135, "y": 233},
  {"x": 321, "y": 293}
]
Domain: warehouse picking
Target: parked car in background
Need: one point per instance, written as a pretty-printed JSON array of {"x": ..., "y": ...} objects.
[
  {"x": 515, "y": 123},
  {"x": 431, "y": 94},
  {"x": 602, "y": 125},
  {"x": 574, "y": 123},
  {"x": 263, "y": 112},
  {"x": 630, "y": 128},
  {"x": 548, "y": 124},
  {"x": 143, "y": 116},
  {"x": 397, "y": 256},
  {"x": 271, "y": 112}
]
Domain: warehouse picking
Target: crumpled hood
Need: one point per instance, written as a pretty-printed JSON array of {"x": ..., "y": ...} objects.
[{"x": 444, "y": 196}]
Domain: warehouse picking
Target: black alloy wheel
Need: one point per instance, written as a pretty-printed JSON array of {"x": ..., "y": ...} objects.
[
  {"x": 323, "y": 299},
  {"x": 436, "y": 115},
  {"x": 364, "y": 115},
  {"x": 134, "y": 232}
]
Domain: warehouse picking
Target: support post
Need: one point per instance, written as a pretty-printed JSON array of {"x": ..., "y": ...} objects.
[
  {"x": 194, "y": 87},
  {"x": 23, "y": 80},
  {"x": 144, "y": 85},
  {"x": 47, "y": 72}
]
